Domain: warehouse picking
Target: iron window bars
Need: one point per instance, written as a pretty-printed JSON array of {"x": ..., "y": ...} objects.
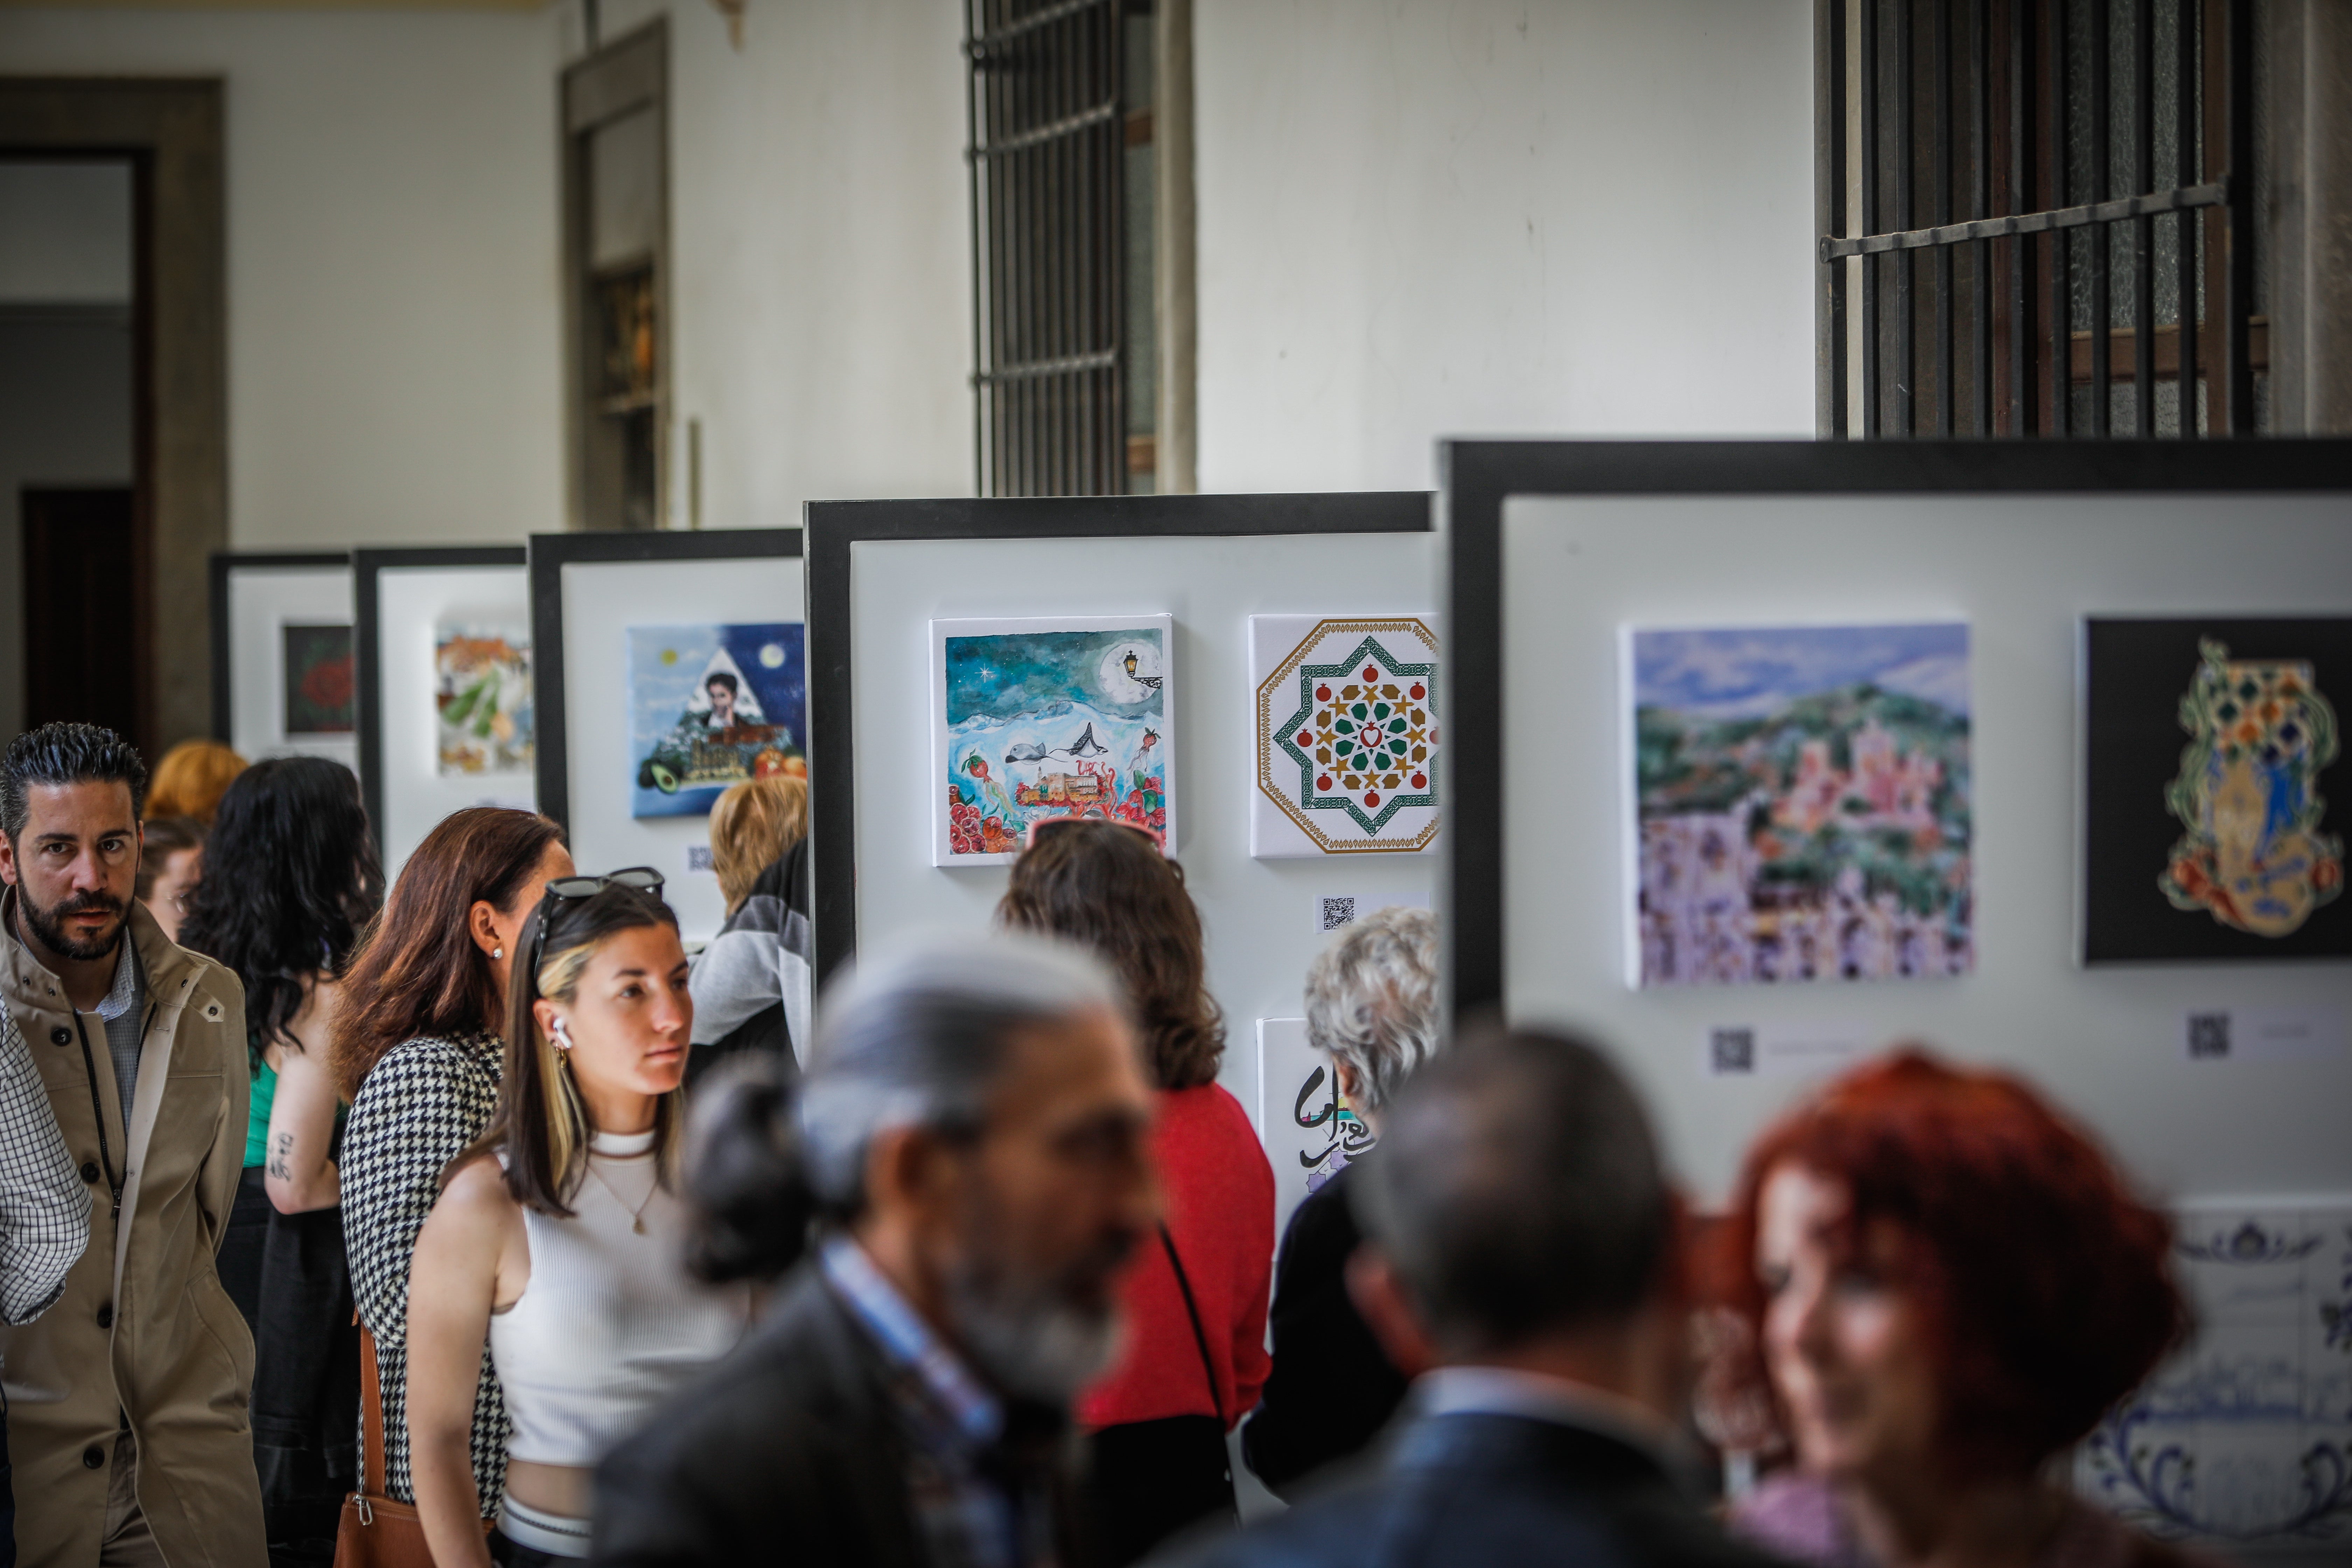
[
  {"x": 2019, "y": 214},
  {"x": 1046, "y": 154}
]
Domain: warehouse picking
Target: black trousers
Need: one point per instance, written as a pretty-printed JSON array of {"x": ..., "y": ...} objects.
[{"x": 1150, "y": 1480}]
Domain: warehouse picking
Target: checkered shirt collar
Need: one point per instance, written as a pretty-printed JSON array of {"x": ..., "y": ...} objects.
[
  {"x": 125, "y": 991},
  {"x": 911, "y": 1344}
]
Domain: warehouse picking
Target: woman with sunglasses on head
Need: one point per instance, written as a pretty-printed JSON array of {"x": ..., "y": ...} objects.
[
  {"x": 420, "y": 1049},
  {"x": 557, "y": 1235},
  {"x": 1195, "y": 1303}
]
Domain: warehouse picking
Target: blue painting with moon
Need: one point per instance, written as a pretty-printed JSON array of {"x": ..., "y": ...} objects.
[
  {"x": 712, "y": 706},
  {"x": 1051, "y": 720}
]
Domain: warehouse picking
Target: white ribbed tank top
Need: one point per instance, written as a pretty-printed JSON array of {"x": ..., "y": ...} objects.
[{"x": 608, "y": 1324}]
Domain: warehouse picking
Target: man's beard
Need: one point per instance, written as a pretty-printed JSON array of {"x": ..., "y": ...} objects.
[
  {"x": 50, "y": 924},
  {"x": 1041, "y": 1338}
]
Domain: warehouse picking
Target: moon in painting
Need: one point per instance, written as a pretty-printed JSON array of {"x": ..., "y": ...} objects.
[{"x": 1129, "y": 672}]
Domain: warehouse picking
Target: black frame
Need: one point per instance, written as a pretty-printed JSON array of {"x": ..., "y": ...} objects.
[
  {"x": 224, "y": 564},
  {"x": 367, "y": 566},
  {"x": 1478, "y": 477},
  {"x": 834, "y": 526},
  {"x": 550, "y": 553}
]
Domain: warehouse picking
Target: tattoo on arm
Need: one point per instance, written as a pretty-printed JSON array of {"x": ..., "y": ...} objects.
[{"x": 281, "y": 1164}]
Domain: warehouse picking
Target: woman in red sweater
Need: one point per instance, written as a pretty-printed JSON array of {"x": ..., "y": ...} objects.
[{"x": 1195, "y": 1352}]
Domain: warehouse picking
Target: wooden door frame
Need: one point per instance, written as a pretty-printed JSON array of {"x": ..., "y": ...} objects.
[{"x": 171, "y": 129}]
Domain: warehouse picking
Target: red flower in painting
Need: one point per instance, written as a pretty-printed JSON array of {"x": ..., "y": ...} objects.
[{"x": 328, "y": 683}]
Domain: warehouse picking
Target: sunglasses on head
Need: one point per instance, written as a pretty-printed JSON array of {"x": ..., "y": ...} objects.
[
  {"x": 571, "y": 890},
  {"x": 1042, "y": 826}
]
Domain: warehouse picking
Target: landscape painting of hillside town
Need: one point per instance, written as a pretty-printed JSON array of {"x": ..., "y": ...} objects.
[
  {"x": 1049, "y": 718},
  {"x": 1801, "y": 803}
]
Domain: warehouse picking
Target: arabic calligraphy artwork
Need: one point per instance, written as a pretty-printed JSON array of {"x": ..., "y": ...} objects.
[
  {"x": 710, "y": 705},
  {"x": 317, "y": 673},
  {"x": 1346, "y": 736},
  {"x": 2244, "y": 1439},
  {"x": 1803, "y": 804},
  {"x": 1309, "y": 1132},
  {"x": 1040, "y": 718},
  {"x": 481, "y": 697},
  {"x": 2211, "y": 828}
]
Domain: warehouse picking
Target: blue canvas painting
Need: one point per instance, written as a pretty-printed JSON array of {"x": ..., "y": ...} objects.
[
  {"x": 710, "y": 705},
  {"x": 1041, "y": 718}
]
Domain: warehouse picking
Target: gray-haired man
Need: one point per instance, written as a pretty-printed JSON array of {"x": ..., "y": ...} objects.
[{"x": 975, "y": 1127}]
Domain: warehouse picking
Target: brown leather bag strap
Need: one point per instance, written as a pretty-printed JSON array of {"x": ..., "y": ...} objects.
[{"x": 370, "y": 1412}]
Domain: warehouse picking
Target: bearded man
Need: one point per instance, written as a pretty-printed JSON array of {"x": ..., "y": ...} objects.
[
  {"x": 974, "y": 1130},
  {"x": 126, "y": 1400}
]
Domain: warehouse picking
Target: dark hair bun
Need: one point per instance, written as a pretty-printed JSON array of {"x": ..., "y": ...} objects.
[{"x": 747, "y": 1195}]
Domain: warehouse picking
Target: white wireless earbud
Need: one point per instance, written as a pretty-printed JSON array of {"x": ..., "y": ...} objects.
[{"x": 563, "y": 1036}]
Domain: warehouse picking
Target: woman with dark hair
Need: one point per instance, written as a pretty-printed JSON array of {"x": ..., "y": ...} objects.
[
  {"x": 558, "y": 1235},
  {"x": 171, "y": 861},
  {"x": 1195, "y": 1354},
  {"x": 1946, "y": 1285},
  {"x": 419, "y": 1048},
  {"x": 292, "y": 878}
]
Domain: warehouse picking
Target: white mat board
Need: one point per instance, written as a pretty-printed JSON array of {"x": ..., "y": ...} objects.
[
  {"x": 413, "y": 602},
  {"x": 262, "y": 602},
  {"x": 602, "y": 599},
  {"x": 2022, "y": 570},
  {"x": 1261, "y": 916}
]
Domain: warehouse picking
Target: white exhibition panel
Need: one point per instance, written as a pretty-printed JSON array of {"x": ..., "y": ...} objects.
[
  {"x": 2022, "y": 570},
  {"x": 262, "y": 602},
  {"x": 412, "y": 604},
  {"x": 602, "y": 599},
  {"x": 1262, "y": 918}
]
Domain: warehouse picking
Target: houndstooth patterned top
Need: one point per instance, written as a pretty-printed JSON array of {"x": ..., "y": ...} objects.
[{"x": 420, "y": 1106}]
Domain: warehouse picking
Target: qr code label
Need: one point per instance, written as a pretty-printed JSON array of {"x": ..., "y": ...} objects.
[
  {"x": 1338, "y": 913},
  {"x": 1732, "y": 1051},
  {"x": 2209, "y": 1036},
  {"x": 698, "y": 861}
]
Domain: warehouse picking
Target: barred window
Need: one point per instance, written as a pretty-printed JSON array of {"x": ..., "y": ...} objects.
[
  {"x": 2039, "y": 217},
  {"x": 1068, "y": 159}
]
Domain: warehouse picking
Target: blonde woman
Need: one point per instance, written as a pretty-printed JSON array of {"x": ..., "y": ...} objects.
[
  {"x": 557, "y": 1236},
  {"x": 752, "y": 984}
]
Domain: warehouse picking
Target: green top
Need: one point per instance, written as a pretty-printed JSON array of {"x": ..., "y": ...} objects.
[
  {"x": 257, "y": 1117},
  {"x": 256, "y": 1120}
]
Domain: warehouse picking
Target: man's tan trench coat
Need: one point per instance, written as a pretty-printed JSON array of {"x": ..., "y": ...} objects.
[{"x": 144, "y": 1328}]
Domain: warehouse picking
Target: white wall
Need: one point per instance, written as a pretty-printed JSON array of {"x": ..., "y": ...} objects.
[
  {"x": 393, "y": 315},
  {"x": 1433, "y": 217},
  {"x": 818, "y": 223}
]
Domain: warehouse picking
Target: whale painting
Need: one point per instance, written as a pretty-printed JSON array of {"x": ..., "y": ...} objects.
[{"x": 1040, "y": 718}]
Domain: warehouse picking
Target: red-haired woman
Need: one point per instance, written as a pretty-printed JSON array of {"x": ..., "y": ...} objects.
[{"x": 1948, "y": 1285}]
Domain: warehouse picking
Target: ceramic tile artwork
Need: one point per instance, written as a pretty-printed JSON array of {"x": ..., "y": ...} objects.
[
  {"x": 2212, "y": 751},
  {"x": 1801, "y": 803},
  {"x": 1309, "y": 1133},
  {"x": 1039, "y": 719},
  {"x": 2244, "y": 1440},
  {"x": 481, "y": 697},
  {"x": 319, "y": 687},
  {"x": 1346, "y": 736},
  {"x": 712, "y": 706}
]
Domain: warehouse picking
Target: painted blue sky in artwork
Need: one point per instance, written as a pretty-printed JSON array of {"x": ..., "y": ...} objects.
[
  {"x": 1005, "y": 674},
  {"x": 1731, "y": 674}
]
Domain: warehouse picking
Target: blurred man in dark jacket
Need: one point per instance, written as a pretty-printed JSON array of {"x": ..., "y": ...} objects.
[{"x": 1523, "y": 1260}]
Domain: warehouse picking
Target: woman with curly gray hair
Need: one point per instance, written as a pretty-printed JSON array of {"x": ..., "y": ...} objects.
[{"x": 1372, "y": 1008}]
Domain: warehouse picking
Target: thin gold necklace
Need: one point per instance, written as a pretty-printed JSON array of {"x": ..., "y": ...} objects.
[{"x": 636, "y": 1214}]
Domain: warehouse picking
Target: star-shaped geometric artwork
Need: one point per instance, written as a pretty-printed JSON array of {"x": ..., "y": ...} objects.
[{"x": 1347, "y": 735}]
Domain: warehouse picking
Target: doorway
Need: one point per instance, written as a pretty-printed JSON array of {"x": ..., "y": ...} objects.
[
  {"x": 157, "y": 147},
  {"x": 71, "y": 606}
]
